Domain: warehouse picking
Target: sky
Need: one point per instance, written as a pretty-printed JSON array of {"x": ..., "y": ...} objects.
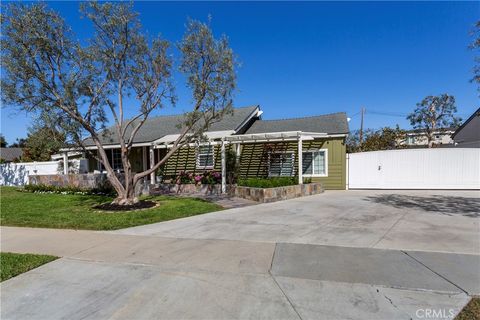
[{"x": 309, "y": 58}]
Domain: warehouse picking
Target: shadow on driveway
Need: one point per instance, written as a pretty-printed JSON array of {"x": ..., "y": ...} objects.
[{"x": 447, "y": 205}]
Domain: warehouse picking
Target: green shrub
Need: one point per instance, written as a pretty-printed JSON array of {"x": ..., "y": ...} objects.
[{"x": 268, "y": 182}]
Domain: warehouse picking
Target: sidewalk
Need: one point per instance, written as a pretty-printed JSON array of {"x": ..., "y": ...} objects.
[{"x": 106, "y": 275}]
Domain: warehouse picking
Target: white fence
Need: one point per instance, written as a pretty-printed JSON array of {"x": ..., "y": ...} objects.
[
  {"x": 452, "y": 168},
  {"x": 16, "y": 174}
]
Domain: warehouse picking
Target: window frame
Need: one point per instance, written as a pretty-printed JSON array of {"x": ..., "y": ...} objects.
[
  {"x": 197, "y": 160},
  {"x": 291, "y": 153},
  {"x": 117, "y": 164},
  {"x": 316, "y": 175}
]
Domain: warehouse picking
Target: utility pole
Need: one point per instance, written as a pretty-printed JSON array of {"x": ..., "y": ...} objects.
[{"x": 361, "y": 126}]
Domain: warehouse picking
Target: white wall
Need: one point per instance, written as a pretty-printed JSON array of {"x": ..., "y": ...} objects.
[
  {"x": 446, "y": 168},
  {"x": 16, "y": 174}
]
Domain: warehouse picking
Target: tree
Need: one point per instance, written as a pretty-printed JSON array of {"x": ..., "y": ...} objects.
[
  {"x": 41, "y": 143},
  {"x": 383, "y": 139},
  {"x": 434, "y": 114},
  {"x": 50, "y": 73},
  {"x": 19, "y": 143},
  {"x": 3, "y": 141}
]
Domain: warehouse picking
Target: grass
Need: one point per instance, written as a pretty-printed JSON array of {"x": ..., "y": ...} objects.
[
  {"x": 13, "y": 264},
  {"x": 471, "y": 311},
  {"x": 25, "y": 209}
]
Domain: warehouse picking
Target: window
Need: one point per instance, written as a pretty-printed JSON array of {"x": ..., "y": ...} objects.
[
  {"x": 114, "y": 158},
  {"x": 117, "y": 159},
  {"x": 314, "y": 163},
  {"x": 410, "y": 140},
  {"x": 205, "y": 157},
  {"x": 281, "y": 164}
]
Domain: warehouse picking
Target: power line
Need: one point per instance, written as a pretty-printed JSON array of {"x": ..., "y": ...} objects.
[{"x": 389, "y": 114}]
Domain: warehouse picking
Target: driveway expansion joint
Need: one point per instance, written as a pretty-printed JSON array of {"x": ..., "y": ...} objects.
[
  {"x": 438, "y": 274},
  {"x": 285, "y": 295}
]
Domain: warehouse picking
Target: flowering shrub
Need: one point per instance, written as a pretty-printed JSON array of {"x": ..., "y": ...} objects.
[
  {"x": 208, "y": 177},
  {"x": 211, "y": 177},
  {"x": 198, "y": 179},
  {"x": 184, "y": 178}
]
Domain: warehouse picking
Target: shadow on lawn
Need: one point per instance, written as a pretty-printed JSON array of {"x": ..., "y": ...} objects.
[{"x": 447, "y": 205}]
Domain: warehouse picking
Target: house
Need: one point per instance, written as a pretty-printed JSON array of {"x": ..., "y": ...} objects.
[
  {"x": 418, "y": 138},
  {"x": 468, "y": 134},
  {"x": 309, "y": 147},
  {"x": 10, "y": 154}
]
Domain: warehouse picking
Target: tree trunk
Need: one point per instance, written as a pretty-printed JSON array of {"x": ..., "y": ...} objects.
[{"x": 126, "y": 196}]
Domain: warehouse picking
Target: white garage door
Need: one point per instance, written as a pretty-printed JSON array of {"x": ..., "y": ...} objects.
[{"x": 446, "y": 168}]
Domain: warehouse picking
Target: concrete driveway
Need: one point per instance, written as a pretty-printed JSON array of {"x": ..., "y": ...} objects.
[
  {"x": 340, "y": 255},
  {"x": 446, "y": 221}
]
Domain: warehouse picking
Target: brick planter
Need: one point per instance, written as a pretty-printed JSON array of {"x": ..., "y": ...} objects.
[
  {"x": 276, "y": 194},
  {"x": 87, "y": 181}
]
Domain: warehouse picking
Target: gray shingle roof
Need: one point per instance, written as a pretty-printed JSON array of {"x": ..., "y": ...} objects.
[
  {"x": 334, "y": 123},
  {"x": 10, "y": 154},
  {"x": 157, "y": 127}
]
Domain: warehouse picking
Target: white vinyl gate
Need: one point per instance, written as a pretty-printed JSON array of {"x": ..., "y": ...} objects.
[{"x": 445, "y": 168}]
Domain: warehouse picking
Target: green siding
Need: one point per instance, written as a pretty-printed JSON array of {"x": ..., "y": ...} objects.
[
  {"x": 186, "y": 160},
  {"x": 254, "y": 159}
]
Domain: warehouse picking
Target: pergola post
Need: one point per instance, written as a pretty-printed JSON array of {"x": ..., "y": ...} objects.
[
  {"x": 152, "y": 164},
  {"x": 65, "y": 162},
  {"x": 224, "y": 168},
  {"x": 300, "y": 159}
]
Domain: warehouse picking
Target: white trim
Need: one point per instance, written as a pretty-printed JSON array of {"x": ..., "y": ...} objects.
[
  {"x": 211, "y": 135},
  {"x": 224, "y": 168},
  {"x": 300, "y": 160},
  {"x": 279, "y": 136},
  {"x": 108, "y": 146},
  {"x": 256, "y": 113},
  {"x": 197, "y": 158},
  {"x": 58, "y": 156},
  {"x": 316, "y": 175},
  {"x": 151, "y": 152}
]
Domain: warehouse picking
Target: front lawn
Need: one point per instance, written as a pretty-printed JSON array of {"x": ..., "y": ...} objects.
[
  {"x": 12, "y": 264},
  {"x": 43, "y": 210}
]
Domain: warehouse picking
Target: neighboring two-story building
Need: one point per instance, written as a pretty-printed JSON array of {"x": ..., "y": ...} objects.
[{"x": 418, "y": 138}]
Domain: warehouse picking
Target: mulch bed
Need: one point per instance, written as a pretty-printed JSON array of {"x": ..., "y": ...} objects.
[{"x": 115, "y": 207}]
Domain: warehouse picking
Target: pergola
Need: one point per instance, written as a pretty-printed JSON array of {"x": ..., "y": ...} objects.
[{"x": 226, "y": 138}]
